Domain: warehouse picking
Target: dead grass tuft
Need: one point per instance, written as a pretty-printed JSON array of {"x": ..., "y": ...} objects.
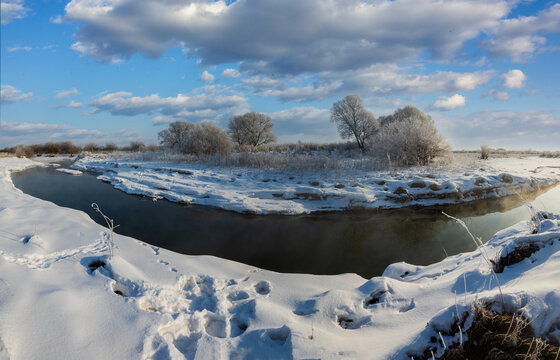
[{"x": 494, "y": 336}]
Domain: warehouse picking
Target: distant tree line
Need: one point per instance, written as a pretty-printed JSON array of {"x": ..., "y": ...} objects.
[{"x": 67, "y": 147}]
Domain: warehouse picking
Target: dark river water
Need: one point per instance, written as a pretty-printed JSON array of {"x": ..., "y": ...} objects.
[{"x": 360, "y": 242}]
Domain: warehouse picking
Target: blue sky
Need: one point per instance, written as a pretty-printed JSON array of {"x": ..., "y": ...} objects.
[{"x": 90, "y": 70}]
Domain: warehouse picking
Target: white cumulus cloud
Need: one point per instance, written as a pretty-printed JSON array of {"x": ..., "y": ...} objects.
[
  {"x": 206, "y": 77},
  {"x": 520, "y": 38},
  {"x": 207, "y": 103},
  {"x": 316, "y": 35},
  {"x": 513, "y": 79},
  {"x": 12, "y": 9},
  {"x": 449, "y": 103},
  {"x": 9, "y": 95},
  {"x": 231, "y": 73}
]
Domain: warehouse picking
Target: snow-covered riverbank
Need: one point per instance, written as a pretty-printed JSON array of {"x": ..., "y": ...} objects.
[
  {"x": 150, "y": 303},
  {"x": 262, "y": 191}
]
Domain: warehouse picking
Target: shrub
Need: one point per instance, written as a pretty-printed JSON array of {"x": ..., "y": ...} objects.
[
  {"x": 197, "y": 139},
  {"x": 153, "y": 147},
  {"x": 111, "y": 146},
  {"x": 67, "y": 147},
  {"x": 91, "y": 146},
  {"x": 353, "y": 120},
  {"x": 137, "y": 146},
  {"x": 409, "y": 137},
  {"x": 207, "y": 139},
  {"x": 23, "y": 151},
  {"x": 252, "y": 129},
  {"x": 484, "y": 152}
]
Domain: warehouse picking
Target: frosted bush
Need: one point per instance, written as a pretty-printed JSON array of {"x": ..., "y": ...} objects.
[
  {"x": 408, "y": 137},
  {"x": 195, "y": 138}
]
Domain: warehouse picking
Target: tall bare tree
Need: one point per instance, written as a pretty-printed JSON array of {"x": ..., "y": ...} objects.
[
  {"x": 251, "y": 129},
  {"x": 353, "y": 120}
]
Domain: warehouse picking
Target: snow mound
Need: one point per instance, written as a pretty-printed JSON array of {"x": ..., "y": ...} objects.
[{"x": 70, "y": 171}]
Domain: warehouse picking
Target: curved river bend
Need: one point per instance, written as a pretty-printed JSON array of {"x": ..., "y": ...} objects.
[{"x": 360, "y": 242}]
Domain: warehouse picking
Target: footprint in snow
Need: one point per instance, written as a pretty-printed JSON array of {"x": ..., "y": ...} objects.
[
  {"x": 307, "y": 307},
  {"x": 386, "y": 299},
  {"x": 351, "y": 321},
  {"x": 199, "y": 305},
  {"x": 262, "y": 287}
]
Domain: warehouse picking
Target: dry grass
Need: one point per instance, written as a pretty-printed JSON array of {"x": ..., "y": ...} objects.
[
  {"x": 494, "y": 336},
  {"x": 517, "y": 255},
  {"x": 299, "y": 162}
]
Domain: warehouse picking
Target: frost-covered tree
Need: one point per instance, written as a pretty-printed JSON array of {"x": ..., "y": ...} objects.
[
  {"x": 173, "y": 137},
  {"x": 137, "y": 146},
  {"x": 194, "y": 138},
  {"x": 207, "y": 139},
  {"x": 252, "y": 129},
  {"x": 409, "y": 137},
  {"x": 353, "y": 120}
]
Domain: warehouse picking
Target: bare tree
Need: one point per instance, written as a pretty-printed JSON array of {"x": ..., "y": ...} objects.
[
  {"x": 409, "y": 137},
  {"x": 173, "y": 137},
  {"x": 353, "y": 120},
  {"x": 251, "y": 129}
]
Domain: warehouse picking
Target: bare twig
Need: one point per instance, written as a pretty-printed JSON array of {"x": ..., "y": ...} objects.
[
  {"x": 110, "y": 225},
  {"x": 484, "y": 255}
]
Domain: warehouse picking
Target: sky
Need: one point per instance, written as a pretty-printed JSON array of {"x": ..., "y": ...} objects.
[{"x": 487, "y": 72}]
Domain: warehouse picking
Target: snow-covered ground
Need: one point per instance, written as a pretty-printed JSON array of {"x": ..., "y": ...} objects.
[
  {"x": 263, "y": 191},
  {"x": 150, "y": 303}
]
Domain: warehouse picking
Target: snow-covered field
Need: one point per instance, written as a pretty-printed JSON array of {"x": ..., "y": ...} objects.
[
  {"x": 263, "y": 191},
  {"x": 150, "y": 303}
]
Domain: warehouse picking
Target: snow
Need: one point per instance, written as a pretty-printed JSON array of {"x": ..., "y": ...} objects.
[
  {"x": 70, "y": 171},
  {"x": 55, "y": 304},
  {"x": 264, "y": 191}
]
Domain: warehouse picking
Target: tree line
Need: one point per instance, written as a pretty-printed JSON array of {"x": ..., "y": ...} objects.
[
  {"x": 406, "y": 137},
  {"x": 67, "y": 147}
]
